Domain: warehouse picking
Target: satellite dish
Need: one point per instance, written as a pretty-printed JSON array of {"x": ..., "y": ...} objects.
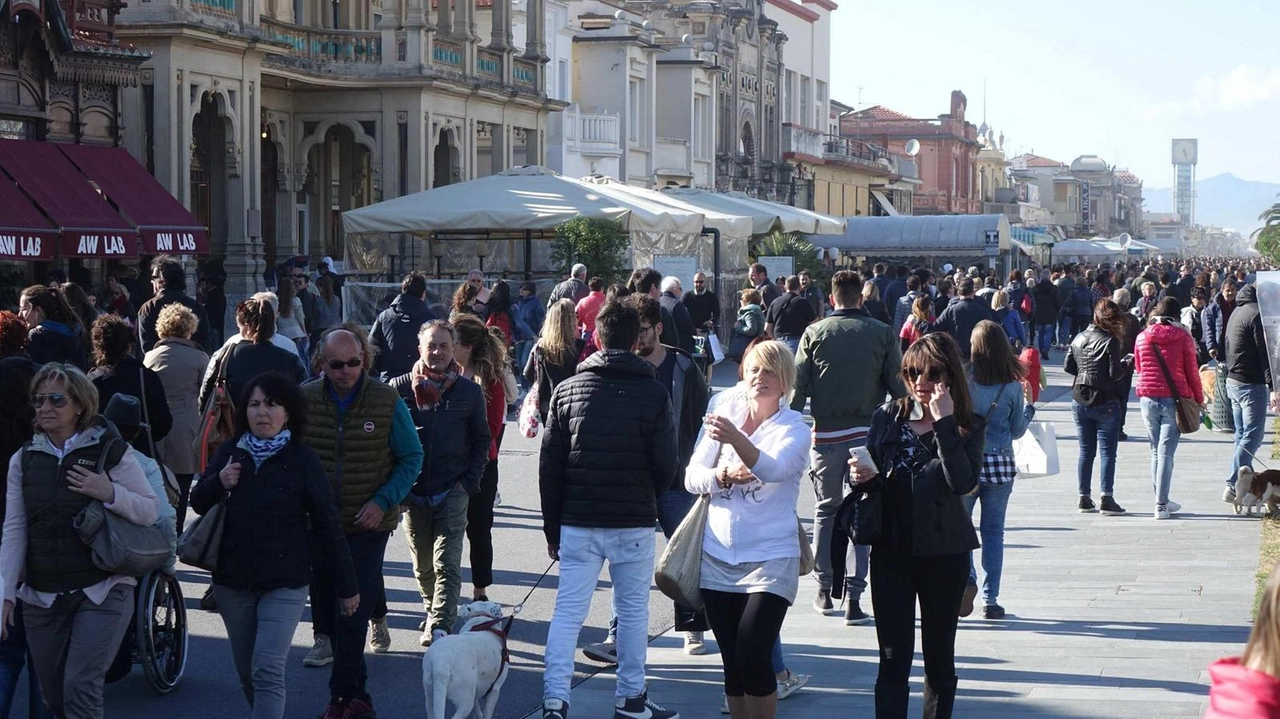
[{"x": 913, "y": 148}]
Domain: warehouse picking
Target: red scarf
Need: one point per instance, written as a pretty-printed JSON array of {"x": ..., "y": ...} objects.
[{"x": 429, "y": 386}]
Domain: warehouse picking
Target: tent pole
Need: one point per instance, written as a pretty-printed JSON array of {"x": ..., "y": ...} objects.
[
  {"x": 528, "y": 255},
  {"x": 715, "y": 256}
]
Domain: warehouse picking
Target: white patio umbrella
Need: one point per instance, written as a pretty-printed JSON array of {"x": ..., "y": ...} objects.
[{"x": 766, "y": 216}]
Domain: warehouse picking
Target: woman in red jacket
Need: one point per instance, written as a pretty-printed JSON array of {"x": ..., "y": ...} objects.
[
  {"x": 481, "y": 352},
  {"x": 1248, "y": 687},
  {"x": 1164, "y": 363}
]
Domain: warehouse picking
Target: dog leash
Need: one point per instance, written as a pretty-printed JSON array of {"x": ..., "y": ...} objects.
[
  {"x": 520, "y": 606},
  {"x": 1255, "y": 458}
]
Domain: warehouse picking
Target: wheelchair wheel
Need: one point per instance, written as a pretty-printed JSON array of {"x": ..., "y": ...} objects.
[{"x": 161, "y": 631}]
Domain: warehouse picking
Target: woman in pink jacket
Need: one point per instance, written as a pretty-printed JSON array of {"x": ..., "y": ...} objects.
[
  {"x": 1168, "y": 342},
  {"x": 1248, "y": 686}
]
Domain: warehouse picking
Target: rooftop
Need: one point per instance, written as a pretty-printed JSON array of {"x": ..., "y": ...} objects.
[{"x": 879, "y": 112}]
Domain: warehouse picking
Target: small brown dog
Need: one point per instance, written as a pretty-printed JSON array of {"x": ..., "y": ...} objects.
[{"x": 1255, "y": 489}]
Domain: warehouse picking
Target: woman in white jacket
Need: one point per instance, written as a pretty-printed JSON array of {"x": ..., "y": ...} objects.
[{"x": 750, "y": 460}]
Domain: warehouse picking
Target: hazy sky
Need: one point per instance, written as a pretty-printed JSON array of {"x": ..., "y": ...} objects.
[{"x": 1114, "y": 78}]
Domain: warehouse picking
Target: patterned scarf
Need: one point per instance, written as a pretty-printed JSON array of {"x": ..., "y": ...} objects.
[
  {"x": 262, "y": 449},
  {"x": 429, "y": 386}
]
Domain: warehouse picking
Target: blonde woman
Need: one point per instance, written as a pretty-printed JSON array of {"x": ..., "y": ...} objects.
[
  {"x": 1248, "y": 686},
  {"x": 1009, "y": 319},
  {"x": 555, "y": 356},
  {"x": 750, "y": 460},
  {"x": 872, "y": 303}
]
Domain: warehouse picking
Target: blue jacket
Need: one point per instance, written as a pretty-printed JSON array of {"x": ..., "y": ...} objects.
[
  {"x": 530, "y": 311},
  {"x": 1213, "y": 325},
  {"x": 1012, "y": 323},
  {"x": 1007, "y": 421}
]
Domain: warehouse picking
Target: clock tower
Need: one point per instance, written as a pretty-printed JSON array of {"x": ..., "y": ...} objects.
[{"x": 1185, "y": 154}]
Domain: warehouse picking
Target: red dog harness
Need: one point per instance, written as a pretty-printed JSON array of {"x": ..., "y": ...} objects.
[{"x": 493, "y": 627}]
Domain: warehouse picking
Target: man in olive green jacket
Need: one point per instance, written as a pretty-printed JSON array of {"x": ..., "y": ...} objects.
[{"x": 847, "y": 364}]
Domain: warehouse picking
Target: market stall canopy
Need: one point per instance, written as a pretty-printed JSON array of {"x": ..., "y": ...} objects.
[
  {"x": 765, "y": 216},
  {"x": 25, "y": 234},
  {"x": 928, "y": 235},
  {"x": 1086, "y": 248},
  {"x": 522, "y": 198},
  {"x": 728, "y": 223}
]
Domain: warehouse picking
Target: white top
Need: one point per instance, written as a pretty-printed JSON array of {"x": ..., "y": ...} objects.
[
  {"x": 752, "y": 522},
  {"x": 293, "y": 326}
]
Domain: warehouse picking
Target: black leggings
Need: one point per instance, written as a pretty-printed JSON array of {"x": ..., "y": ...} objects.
[
  {"x": 746, "y": 627},
  {"x": 480, "y": 527}
]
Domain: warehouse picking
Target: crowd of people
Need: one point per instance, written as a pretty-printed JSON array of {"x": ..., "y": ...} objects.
[{"x": 918, "y": 381}]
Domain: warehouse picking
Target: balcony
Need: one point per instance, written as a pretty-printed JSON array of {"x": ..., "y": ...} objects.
[
  {"x": 799, "y": 140},
  {"x": 592, "y": 134},
  {"x": 672, "y": 158},
  {"x": 324, "y": 50},
  {"x": 1012, "y": 210},
  {"x": 849, "y": 150}
]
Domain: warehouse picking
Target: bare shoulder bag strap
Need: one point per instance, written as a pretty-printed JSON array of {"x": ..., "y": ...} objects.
[{"x": 146, "y": 414}]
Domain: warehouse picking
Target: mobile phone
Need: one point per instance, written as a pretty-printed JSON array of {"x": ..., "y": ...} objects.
[{"x": 863, "y": 455}]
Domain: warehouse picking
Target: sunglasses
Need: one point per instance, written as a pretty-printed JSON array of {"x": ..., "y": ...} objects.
[
  {"x": 339, "y": 364},
  {"x": 57, "y": 399},
  {"x": 933, "y": 374}
]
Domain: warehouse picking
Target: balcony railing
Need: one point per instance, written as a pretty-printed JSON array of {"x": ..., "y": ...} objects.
[
  {"x": 489, "y": 64},
  {"x": 449, "y": 54},
  {"x": 309, "y": 47},
  {"x": 215, "y": 8},
  {"x": 801, "y": 140},
  {"x": 593, "y": 134},
  {"x": 524, "y": 74},
  {"x": 847, "y": 149}
]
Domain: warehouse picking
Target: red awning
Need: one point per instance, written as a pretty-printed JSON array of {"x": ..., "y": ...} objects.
[
  {"x": 25, "y": 234},
  {"x": 90, "y": 226},
  {"x": 165, "y": 225}
]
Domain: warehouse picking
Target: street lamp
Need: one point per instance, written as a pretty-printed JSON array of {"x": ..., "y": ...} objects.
[
  {"x": 437, "y": 251},
  {"x": 482, "y": 251}
]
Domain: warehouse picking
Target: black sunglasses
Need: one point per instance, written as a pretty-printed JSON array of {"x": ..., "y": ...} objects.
[
  {"x": 932, "y": 375},
  {"x": 57, "y": 399},
  {"x": 339, "y": 364}
]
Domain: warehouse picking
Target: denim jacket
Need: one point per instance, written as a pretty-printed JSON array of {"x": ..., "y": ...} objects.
[{"x": 1007, "y": 421}]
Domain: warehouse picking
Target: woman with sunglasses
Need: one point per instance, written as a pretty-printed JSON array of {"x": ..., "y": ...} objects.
[
  {"x": 1098, "y": 395},
  {"x": 926, "y": 455},
  {"x": 75, "y": 614}
]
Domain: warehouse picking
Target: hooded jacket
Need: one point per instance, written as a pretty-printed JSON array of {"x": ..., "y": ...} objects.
[
  {"x": 609, "y": 449},
  {"x": 52, "y": 341},
  {"x": 395, "y": 335},
  {"x": 1214, "y": 318},
  {"x": 1241, "y": 693},
  {"x": 1177, "y": 348},
  {"x": 1244, "y": 345}
]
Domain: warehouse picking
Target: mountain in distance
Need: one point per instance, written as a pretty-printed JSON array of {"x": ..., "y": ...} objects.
[{"x": 1222, "y": 200}]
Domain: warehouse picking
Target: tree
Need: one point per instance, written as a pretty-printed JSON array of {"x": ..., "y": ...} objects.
[
  {"x": 791, "y": 244},
  {"x": 1268, "y": 236},
  {"x": 602, "y": 245}
]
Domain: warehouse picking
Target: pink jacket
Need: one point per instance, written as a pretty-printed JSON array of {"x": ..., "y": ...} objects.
[
  {"x": 1179, "y": 352},
  {"x": 1240, "y": 693},
  {"x": 587, "y": 309}
]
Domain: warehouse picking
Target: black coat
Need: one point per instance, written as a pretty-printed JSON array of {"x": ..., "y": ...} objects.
[
  {"x": 16, "y": 372},
  {"x": 1245, "y": 344},
  {"x": 454, "y": 435},
  {"x": 959, "y": 319},
  {"x": 46, "y": 343},
  {"x": 272, "y": 518},
  {"x": 684, "y": 323},
  {"x": 395, "y": 335},
  {"x": 124, "y": 379},
  {"x": 609, "y": 448},
  {"x": 246, "y": 360},
  {"x": 1094, "y": 360},
  {"x": 548, "y": 374},
  {"x": 150, "y": 311},
  {"x": 1045, "y": 297}
]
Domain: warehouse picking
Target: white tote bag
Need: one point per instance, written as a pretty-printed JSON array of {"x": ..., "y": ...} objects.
[
  {"x": 713, "y": 346},
  {"x": 1036, "y": 453}
]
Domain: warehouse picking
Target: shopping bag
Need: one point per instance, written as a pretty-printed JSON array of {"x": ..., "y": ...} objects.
[
  {"x": 1036, "y": 452},
  {"x": 678, "y": 573},
  {"x": 717, "y": 353},
  {"x": 530, "y": 418}
]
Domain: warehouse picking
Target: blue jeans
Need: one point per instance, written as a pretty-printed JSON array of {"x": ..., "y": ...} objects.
[
  {"x": 673, "y": 505},
  {"x": 260, "y": 626},
  {"x": 1064, "y": 330},
  {"x": 13, "y": 654},
  {"x": 791, "y": 341},
  {"x": 779, "y": 666},
  {"x": 1161, "y": 417},
  {"x": 995, "y": 502},
  {"x": 523, "y": 349},
  {"x": 1097, "y": 427},
  {"x": 1044, "y": 338},
  {"x": 1249, "y": 410}
]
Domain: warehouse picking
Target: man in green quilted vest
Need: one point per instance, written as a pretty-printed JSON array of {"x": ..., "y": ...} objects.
[{"x": 366, "y": 439}]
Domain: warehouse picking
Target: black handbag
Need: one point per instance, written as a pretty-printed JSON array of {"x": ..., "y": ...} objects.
[{"x": 862, "y": 515}]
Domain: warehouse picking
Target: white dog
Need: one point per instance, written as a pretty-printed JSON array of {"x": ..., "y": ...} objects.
[{"x": 467, "y": 669}]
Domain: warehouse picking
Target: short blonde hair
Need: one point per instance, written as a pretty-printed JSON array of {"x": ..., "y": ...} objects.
[
  {"x": 999, "y": 300},
  {"x": 752, "y": 296},
  {"x": 75, "y": 385},
  {"x": 176, "y": 320},
  {"x": 775, "y": 357},
  {"x": 870, "y": 291}
]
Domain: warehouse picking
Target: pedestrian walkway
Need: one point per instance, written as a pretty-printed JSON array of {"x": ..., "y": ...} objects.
[{"x": 1108, "y": 616}]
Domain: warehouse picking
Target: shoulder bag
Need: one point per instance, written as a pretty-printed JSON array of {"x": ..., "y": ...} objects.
[
  {"x": 1188, "y": 411},
  {"x": 217, "y": 423},
  {"x": 200, "y": 541},
  {"x": 118, "y": 545},
  {"x": 678, "y": 572},
  {"x": 171, "y": 490}
]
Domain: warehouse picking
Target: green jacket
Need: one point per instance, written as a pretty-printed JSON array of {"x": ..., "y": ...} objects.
[{"x": 846, "y": 364}]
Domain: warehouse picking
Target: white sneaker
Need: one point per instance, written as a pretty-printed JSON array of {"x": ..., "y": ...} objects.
[
  {"x": 321, "y": 652},
  {"x": 1174, "y": 507},
  {"x": 429, "y": 636},
  {"x": 693, "y": 643},
  {"x": 724, "y": 703},
  {"x": 792, "y": 684},
  {"x": 497, "y": 500},
  {"x": 1229, "y": 495},
  {"x": 1162, "y": 511}
]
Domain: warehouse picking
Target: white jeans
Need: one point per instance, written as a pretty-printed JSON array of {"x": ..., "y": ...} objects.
[{"x": 583, "y": 552}]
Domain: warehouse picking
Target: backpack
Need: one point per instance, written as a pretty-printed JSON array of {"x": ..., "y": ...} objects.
[{"x": 1025, "y": 306}]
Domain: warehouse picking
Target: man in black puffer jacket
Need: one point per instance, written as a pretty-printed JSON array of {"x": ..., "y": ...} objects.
[
  {"x": 1244, "y": 349},
  {"x": 961, "y": 316},
  {"x": 395, "y": 333},
  {"x": 608, "y": 453}
]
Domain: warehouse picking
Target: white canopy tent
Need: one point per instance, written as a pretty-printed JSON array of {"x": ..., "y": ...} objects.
[
  {"x": 1086, "y": 248},
  {"x": 765, "y": 216},
  {"x": 730, "y": 224},
  {"x": 952, "y": 236}
]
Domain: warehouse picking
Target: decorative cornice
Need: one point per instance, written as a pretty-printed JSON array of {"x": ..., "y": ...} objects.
[{"x": 99, "y": 70}]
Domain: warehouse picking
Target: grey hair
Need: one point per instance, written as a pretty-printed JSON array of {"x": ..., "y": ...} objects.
[
  {"x": 670, "y": 283},
  {"x": 579, "y": 270},
  {"x": 1121, "y": 298}
]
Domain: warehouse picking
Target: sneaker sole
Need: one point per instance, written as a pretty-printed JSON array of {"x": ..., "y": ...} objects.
[
  {"x": 857, "y": 622},
  {"x": 379, "y": 649},
  {"x": 317, "y": 662},
  {"x": 824, "y": 612},
  {"x": 1089, "y": 511},
  {"x": 1113, "y": 513},
  {"x": 697, "y": 650},
  {"x": 597, "y": 657}
]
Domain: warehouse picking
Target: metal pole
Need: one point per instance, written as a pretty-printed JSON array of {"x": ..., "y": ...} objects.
[{"x": 528, "y": 255}]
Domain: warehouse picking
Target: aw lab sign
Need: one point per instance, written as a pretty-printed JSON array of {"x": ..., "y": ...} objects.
[
  {"x": 35, "y": 248},
  {"x": 178, "y": 242},
  {"x": 99, "y": 245}
]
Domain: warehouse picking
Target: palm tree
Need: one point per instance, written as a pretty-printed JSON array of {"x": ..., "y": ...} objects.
[
  {"x": 792, "y": 244},
  {"x": 1267, "y": 237}
]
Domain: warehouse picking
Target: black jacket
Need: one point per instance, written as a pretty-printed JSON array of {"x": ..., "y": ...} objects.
[
  {"x": 684, "y": 323},
  {"x": 246, "y": 360},
  {"x": 877, "y": 310},
  {"x": 689, "y": 398},
  {"x": 58, "y": 343},
  {"x": 124, "y": 379},
  {"x": 1094, "y": 360},
  {"x": 150, "y": 311},
  {"x": 1245, "y": 344},
  {"x": 702, "y": 308},
  {"x": 609, "y": 449},
  {"x": 454, "y": 435},
  {"x": 272, "y": 517},
  {"x": 395, "y": 335},
  {"x": 959, "y": 319},
  {"x": 16, "y": 373},
  {"x": 548, "y": 374},
  {"x": 1045, "y": 297}
]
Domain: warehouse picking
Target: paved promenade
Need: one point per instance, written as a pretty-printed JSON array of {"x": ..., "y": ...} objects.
[{"x": 1108, "y": 616}]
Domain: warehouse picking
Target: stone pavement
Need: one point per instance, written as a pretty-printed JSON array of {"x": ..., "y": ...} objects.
[{"x": 1108, "y": 616}]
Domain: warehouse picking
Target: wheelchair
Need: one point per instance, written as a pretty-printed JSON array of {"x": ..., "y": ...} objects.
[{"x": 157, "y": 635}]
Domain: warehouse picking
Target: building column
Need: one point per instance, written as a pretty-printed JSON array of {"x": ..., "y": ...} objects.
[
  {"x": 501, "y": 35},
  {"x": 536, "y": 42},
  {"x": 444, "y": 18},
  {"x": 461, "y": 21}
]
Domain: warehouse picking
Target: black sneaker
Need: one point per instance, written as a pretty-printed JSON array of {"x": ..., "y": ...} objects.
[
  {"x": 1086, "y": 505},
  {"x": 209, "y": 602},
  {"x": 555, "y": 709},
  {"x": 1123, "y": 437},
  {"x": 854, "y": 616},
  {"x": 993, "y": 611},
  {"x": 822, "y": 602},
  {"x": 1110, "y": 507},
  {"x": 640, "y": 708}
]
